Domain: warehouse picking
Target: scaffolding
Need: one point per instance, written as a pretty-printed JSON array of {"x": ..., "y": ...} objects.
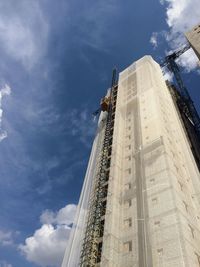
[{"x": 92, "y": 243}]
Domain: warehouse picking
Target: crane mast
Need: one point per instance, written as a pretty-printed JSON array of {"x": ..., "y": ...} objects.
[{"x": 170, "y": 63}]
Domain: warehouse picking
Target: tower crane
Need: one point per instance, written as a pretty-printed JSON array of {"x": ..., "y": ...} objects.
[{"x": 170, "y": 63}]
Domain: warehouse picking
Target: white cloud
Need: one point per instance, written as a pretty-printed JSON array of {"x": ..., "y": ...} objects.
[
  {"x": 63, "y": 216},
  {"x": 154, "y": 39},
  {"x": 47, "y": 245},
  {"x": 6, "y": 90},
  {"x": 168, "y": 76},
  {"x": 3, "y": 135},
  {"x": 181, "y": 16},
  {"x": 6, "y": 238},
  {"x": 188, "y": 60},
  {"x": 23, "y": 31}
]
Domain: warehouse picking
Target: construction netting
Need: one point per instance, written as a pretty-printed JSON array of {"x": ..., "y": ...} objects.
[{"x": 74, "y": 244}]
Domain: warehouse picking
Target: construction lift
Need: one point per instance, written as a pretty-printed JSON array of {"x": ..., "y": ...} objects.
[
  {"x": 104, "y": 104},
  {"x": 92, "y": 242}
]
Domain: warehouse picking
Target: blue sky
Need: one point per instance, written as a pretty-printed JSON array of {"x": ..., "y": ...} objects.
[{"x": 56, "y": 63}]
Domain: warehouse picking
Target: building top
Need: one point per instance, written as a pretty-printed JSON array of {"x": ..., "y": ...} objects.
[{"x": 132, "y": 68}]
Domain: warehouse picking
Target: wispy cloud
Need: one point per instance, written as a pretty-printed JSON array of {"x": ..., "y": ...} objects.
[
  {"x": 93, "y": 24},
  {"x": 154, "y": 39},
  {"x": 23, "y": 31},
  {"x": 81, "y": 125},
  {"x": 6, "y": 238},
  {"x": 181, "y": 16},
  {"x": 5, "y": 264},
  {"x": 77, "y": 123},
  {"x": 5, "y": 90},
  {"x": 47, "y": 245}
]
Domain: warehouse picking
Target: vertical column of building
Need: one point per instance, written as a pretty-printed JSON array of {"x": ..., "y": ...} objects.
[
  {"x": 112, "y": 232},
  {"x": 126, "y": 242},
  {"x": 160, "y": 218},
  {"x": 125, "y": 221},
  {"x": 136, "y": 250},
  {"x": 171, "y": 176},
  {"x": 132, "y": 205}
]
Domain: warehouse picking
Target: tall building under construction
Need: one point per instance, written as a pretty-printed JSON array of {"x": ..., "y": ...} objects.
[{"x": 140, "y": 202}]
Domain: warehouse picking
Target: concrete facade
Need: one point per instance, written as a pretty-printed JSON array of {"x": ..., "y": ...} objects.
[
  {"x": 152, "y": 215},
  {"x": 193, "y": 38}
]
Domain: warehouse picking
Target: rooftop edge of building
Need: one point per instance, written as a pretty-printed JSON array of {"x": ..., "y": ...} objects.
[{"x": 131, "y": 68}]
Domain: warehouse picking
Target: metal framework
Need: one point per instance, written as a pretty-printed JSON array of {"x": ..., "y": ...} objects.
[
  {"x": 170, "y": 63},
  {"x": 92, "y": 243}
]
